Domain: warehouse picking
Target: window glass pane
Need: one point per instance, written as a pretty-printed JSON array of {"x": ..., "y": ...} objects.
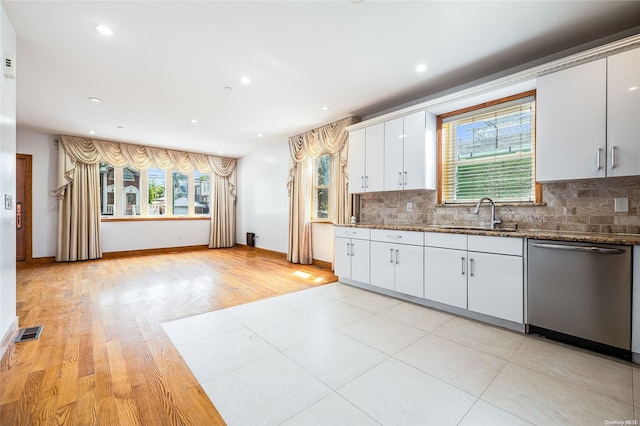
[
  {"x": 131, "y": 192},
  {"x": 322, "y": 203},
  {"x": 180, "y": 193},
  {"x": 202, "y": 192},
  {"x": 157, "y": 183},
  {"x": 107, "y": 182},
  {"x": 490, "y": 153},
  {"x": 323, "y": 176}
]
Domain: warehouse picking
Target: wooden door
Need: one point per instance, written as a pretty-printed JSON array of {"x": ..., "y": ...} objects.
[{"x": 23, "y": 208}]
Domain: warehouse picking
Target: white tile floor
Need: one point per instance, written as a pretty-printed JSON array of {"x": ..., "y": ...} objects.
[{"x": 338, "y": 355}]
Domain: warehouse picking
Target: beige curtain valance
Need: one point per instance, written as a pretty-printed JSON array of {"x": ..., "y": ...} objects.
[
  {"x": 91, "y": 151},
  {"x": 328, "y": 139}
]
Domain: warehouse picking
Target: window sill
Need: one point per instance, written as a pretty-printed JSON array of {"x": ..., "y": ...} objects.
[
  {"x": 327, "y": 221},
  {"x": 151, "y": 219}
]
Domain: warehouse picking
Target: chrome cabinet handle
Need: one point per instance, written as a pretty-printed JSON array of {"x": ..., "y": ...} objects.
[
  {"x": 352, "y": 250},
  {"x": 471, "y": 269},
  {"x": 348, "y": 251},
  {"x": 462, "y": 262},
  {"x": 362, "y": 182},
  {"x": 405, "y": 178},
  {"x": 397, "y": 256},
  {"x": 613, "y": 157},
  {"x": 366, "y": 181},
  {"x": 394, "y": 236},
  {"x": 598, "y": 166},
  {"x": 400, "y": 178},
  {"x": 390, "y": 255}
]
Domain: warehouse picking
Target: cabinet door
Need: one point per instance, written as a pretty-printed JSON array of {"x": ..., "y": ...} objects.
[
  {"x": 393, "y": 154},
  {"x": 342, "y": 257},
  {"x": 571, "y": 123},
  {"x": 374, "y": 165},
  {"x": 409, "y": 270},
  {"x": 623, "y": 114},
  {"x": 415, "y": 152},
  {"x": 360, "y": 261},
  {"x": 445, "y": 276},
  {"x": 495, "y": 285},
  {"x": 356, "y": 160},
  {"x": 382, "y": 265}
]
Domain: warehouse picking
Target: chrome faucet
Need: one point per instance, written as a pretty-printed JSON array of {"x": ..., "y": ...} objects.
[{"x": 494, "y": 221}]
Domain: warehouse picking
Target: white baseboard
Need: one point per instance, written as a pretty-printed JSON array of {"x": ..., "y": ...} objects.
[{"x": 9, "y": 337}]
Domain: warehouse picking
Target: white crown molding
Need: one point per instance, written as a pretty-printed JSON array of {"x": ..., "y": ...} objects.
[{"x": 509, "y": 80}]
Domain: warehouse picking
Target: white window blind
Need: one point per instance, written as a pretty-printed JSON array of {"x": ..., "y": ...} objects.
[{"x": 490, "y": 152}]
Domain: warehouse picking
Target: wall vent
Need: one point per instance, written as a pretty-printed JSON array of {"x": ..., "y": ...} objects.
[
  {"x": 9, "y": 65},
  {"x": 30, "y": 333}
]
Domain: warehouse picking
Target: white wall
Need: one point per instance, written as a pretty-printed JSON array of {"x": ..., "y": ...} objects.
[
  {"x": 143, "y": 235},
  {"x": 45, "y": 207},
  {"x": 263, "y": 203},
  {"x": 8, "y": 183}
]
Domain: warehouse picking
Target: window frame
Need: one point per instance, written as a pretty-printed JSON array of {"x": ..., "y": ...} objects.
[
  {"x": 439, "y": 122},
  {"x": 119, "y": 185},
  {"x": 329, "y": 187}
]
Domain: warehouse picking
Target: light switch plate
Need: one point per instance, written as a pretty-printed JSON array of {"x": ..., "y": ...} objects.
[
  {"x": 409, "y": 207},
  {"x": 621, "y": 205},
  {"x": 8, "y": 202}
]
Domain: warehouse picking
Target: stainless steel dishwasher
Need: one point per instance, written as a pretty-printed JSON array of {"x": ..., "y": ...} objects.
[{"x": 580, "y": 293}]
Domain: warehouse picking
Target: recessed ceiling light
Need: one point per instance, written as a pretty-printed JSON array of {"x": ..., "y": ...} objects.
[
  {"x": 91, "y": 132},
  {"x": 228, "y": 88},
  {"x": 194, "y": 121},
  {"x": 325, "y": 108},
  {"x": 220, "y": 152},
  {"x": 93, "y": 99},
  {"x": 120, "y": 127},
  {"x": 245, "y": 80},
  {"x": 632, "y": 88},
  {"x": 421, "y": 68},
  {"x": 260, "y": 135},
  {"x": 104, "y": 30}
]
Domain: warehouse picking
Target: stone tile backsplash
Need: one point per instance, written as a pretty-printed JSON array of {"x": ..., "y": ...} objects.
[{"x": 586, "y": 206}]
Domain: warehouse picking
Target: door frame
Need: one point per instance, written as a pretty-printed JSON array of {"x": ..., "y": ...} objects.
[{"x": 28, "y": 192}]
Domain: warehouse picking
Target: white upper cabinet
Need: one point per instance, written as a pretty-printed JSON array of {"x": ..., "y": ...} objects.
[
  {"x": 366, "y": 159},
  {"x": 588, "y": 120},
  {"x": 623, "y": 113},
  {"x": 357, "y": 160},
  {"x": 410, "y": 152},
  {"x": 398, "y": 154},
  {"x": 571, "y": 123},
  {"x": 394, "y": 154},
  {"x": 420, "y": 151}
]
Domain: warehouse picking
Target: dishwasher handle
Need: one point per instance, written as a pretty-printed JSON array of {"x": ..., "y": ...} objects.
[{"x": 588, "y": 249}]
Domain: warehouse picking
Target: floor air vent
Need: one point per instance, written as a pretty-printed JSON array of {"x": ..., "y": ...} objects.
[{"x": 31, "y": 333}]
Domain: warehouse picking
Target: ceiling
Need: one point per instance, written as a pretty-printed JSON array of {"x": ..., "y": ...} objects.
[{"x": 170, "y": 62}]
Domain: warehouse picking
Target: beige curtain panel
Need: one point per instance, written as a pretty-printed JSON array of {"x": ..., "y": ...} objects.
[
  {"x": 79, "y": 205},
  {"x": 330, "y": 139}
]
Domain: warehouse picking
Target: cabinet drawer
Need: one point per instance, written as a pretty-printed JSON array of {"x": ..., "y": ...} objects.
[
  {"x": 499, "y": 245},
  {"x": 451, "y": 241},
  {"x": 399, "y": 237},
  {"x": 348, "y": 232}
]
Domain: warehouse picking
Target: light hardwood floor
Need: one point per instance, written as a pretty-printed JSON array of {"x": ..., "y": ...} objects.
[{"x": 103, "y": 357}]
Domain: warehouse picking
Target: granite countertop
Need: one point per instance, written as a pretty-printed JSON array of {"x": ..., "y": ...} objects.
[{"x": 586, "y": 237}]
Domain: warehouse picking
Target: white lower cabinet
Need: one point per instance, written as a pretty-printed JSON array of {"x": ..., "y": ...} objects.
[
  {"x": 482, "y": 274},
  {"x": 446, "y": 276},
  {"x": 351, "y": 254},
  {"x": 495, "y": 285},
  {"x": 397, "y": 266}
]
